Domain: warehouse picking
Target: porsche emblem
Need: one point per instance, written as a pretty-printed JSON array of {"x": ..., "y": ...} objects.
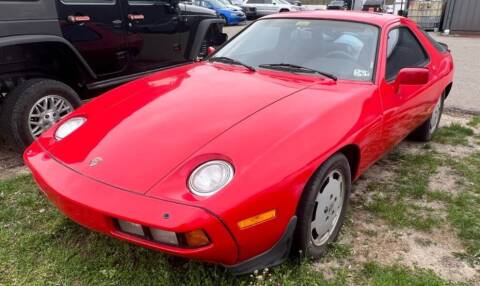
[{"x": 95, "y": 161}]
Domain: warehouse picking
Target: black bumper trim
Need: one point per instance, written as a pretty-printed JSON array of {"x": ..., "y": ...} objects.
[{"x": 272, "y": 257}]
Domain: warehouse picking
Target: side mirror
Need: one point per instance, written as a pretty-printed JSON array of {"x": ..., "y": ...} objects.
[
  {"x": 412, "y": 76},
  {"x": 210, "y": 51}
]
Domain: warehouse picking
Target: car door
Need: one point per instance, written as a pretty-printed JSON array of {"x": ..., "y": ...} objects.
[
  {"x": 153, "y": 34},
  {"x": 97, "y": 32},
  {"x": 405, "y": 107},
  {"x": 260, "y": 5},
  {"x": 271, "y": 6}
]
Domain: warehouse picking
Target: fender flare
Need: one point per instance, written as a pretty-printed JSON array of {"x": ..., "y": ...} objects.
[
  {"x": 200, "y": 35},
  {"x": 31, "y": 39}
]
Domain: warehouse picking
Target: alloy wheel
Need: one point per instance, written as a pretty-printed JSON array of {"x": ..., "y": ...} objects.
[
  {"x": 45, "y": 112},
  {"x": 328, "y": 208}
]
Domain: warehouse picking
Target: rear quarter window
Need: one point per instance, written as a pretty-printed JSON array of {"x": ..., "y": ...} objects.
[{"x": 439, "y": 46}]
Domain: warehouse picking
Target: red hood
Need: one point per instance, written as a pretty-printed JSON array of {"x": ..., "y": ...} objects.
[{"x": 144, "y": 129}]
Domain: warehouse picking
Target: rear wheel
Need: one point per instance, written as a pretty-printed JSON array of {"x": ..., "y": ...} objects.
[
  {"x": 33, "y": 107},
  {"x": 284, "y": 10},
  {"x": 322, "y": 208},
  {"x": 425, "y": 131}
]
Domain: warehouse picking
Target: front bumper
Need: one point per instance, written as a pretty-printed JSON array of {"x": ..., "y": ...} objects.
[{"x": 96, "y": 205}]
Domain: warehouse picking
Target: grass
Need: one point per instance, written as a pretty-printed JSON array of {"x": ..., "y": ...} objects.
[
  {"x": 474, "y": 122},
  {"x": 464, "y": 209},
  {"x": 393, "y": 200},
  {"x": 38, "y": 246},
  {"x": 394, "y": 275},
  {"x": 454, "y": 134}
]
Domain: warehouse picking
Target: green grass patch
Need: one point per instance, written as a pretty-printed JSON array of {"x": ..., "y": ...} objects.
[
  {"x": 396, "y": 275},
  {"x": 474, "y": 122},
  {"x": 464, "y": 209},
  {"x": 393, "y": 200},
  {"x": 454, "y": 134}
]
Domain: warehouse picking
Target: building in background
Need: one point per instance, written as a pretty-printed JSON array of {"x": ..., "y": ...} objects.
[
  {"x": 427, "y": 14},
  {"x": 461, "y": 16}
]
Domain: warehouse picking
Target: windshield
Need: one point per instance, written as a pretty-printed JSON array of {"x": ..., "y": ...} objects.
[{"x": 344, "y": 49}]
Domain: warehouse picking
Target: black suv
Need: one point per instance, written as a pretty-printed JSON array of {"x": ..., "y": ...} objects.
[{"x": 55, "y": 53}]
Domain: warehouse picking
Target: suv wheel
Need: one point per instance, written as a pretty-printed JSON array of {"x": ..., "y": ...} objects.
[{"x": 33, "y": 107}]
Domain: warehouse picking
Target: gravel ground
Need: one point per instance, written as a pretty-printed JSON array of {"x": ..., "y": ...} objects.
[{"x": 465, "y": 95}]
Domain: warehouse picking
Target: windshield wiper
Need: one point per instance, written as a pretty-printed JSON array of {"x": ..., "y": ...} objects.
[
  {"x": 292, "y": 67},
  {"x": 228, "y": 60}
]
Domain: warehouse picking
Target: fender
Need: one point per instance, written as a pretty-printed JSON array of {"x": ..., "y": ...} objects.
[
  {"x": 31, "y": 39},
  {"x": 200, "y": 35}
]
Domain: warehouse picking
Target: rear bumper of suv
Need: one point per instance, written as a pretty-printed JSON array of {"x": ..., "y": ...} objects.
[{"x": 98, "y": 206}]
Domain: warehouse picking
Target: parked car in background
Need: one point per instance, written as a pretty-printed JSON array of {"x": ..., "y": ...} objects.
[
  {"x": 267, "y": 7},
  {"x": 337, "y": 5},
  {"x": 295, "y": 2},
  {"x": 231, "y": 14},
  {"x": 250, "y": 155},
  {"x": 250, "y": 12},
  {"x": 55, "y": 53},
  {"x": 373, "y": 5}
]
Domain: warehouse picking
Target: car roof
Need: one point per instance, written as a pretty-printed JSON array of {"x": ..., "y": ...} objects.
[{"x": 378, "y": 19}]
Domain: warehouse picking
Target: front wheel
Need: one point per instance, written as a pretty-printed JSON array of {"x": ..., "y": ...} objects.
[
  {"x": 424, "y": 132},
  {"x": 322, "y": 208},
  {"x": 226, "y": 20},
  {"x": 33, "y": 107}
]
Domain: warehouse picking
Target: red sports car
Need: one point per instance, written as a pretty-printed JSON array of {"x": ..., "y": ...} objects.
[{"x": 249, "y": 155}]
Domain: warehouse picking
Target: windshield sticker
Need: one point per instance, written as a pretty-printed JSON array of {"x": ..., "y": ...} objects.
[
  {"x": 361, "y": 73},
  {"x": 303, "y": 23}
]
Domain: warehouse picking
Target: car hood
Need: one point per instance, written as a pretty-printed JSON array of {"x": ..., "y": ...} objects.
[{"x": 135, "y": 134}]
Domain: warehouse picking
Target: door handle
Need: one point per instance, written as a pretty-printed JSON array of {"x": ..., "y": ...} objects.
[
  {"x": 78, "y": 19},
  {"x": 136, "y": 17}
]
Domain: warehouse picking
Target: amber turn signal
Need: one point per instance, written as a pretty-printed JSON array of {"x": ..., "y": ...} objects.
[
  {"x": 258, "y": 219},
  {"x": 196, "y": 238}
]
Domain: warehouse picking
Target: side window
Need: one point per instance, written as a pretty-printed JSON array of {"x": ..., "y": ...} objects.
[
  {"x": 267, "y": 2},
  {"x": 255, "y": 1},
  {"x": 403, "y": 50}
]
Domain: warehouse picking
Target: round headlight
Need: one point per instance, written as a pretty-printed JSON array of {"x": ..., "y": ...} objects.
[
  {"x": 210, "y": 178},
  {"x": 68, "y": 127}
]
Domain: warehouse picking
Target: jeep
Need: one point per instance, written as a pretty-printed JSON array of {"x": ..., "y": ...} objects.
[{"x": 56, "y": 53}]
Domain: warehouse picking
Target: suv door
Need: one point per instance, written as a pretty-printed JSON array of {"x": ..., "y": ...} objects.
[
  {"x": 97, "y": 31},
  {"x": 153, "y": 33}
]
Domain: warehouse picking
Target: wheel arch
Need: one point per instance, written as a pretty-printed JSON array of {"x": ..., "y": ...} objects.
[
  {"x": 448, "y": 88},
  {"x": 200, "y": 34},
  {"x": 57, "y": 48},
  {"x": 352, "y": 152}
]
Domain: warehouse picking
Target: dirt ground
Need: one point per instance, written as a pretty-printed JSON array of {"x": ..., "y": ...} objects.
[{"x": 372, "y": 238}]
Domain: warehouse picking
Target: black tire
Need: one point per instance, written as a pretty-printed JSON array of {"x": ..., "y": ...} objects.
[
  {"x": 18, "y": 103},
  {"x": 424, "y": 132},
  {"x": 303, "y": 238},
  {"x": 284, "y": 10}
]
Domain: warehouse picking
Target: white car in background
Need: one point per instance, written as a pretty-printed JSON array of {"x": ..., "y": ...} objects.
[{"x": 267, "y": 7}]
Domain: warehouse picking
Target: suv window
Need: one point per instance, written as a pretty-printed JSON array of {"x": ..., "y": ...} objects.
[
  {"x": 255, "y": 1},
  {"x": 403, "y": 50}
]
